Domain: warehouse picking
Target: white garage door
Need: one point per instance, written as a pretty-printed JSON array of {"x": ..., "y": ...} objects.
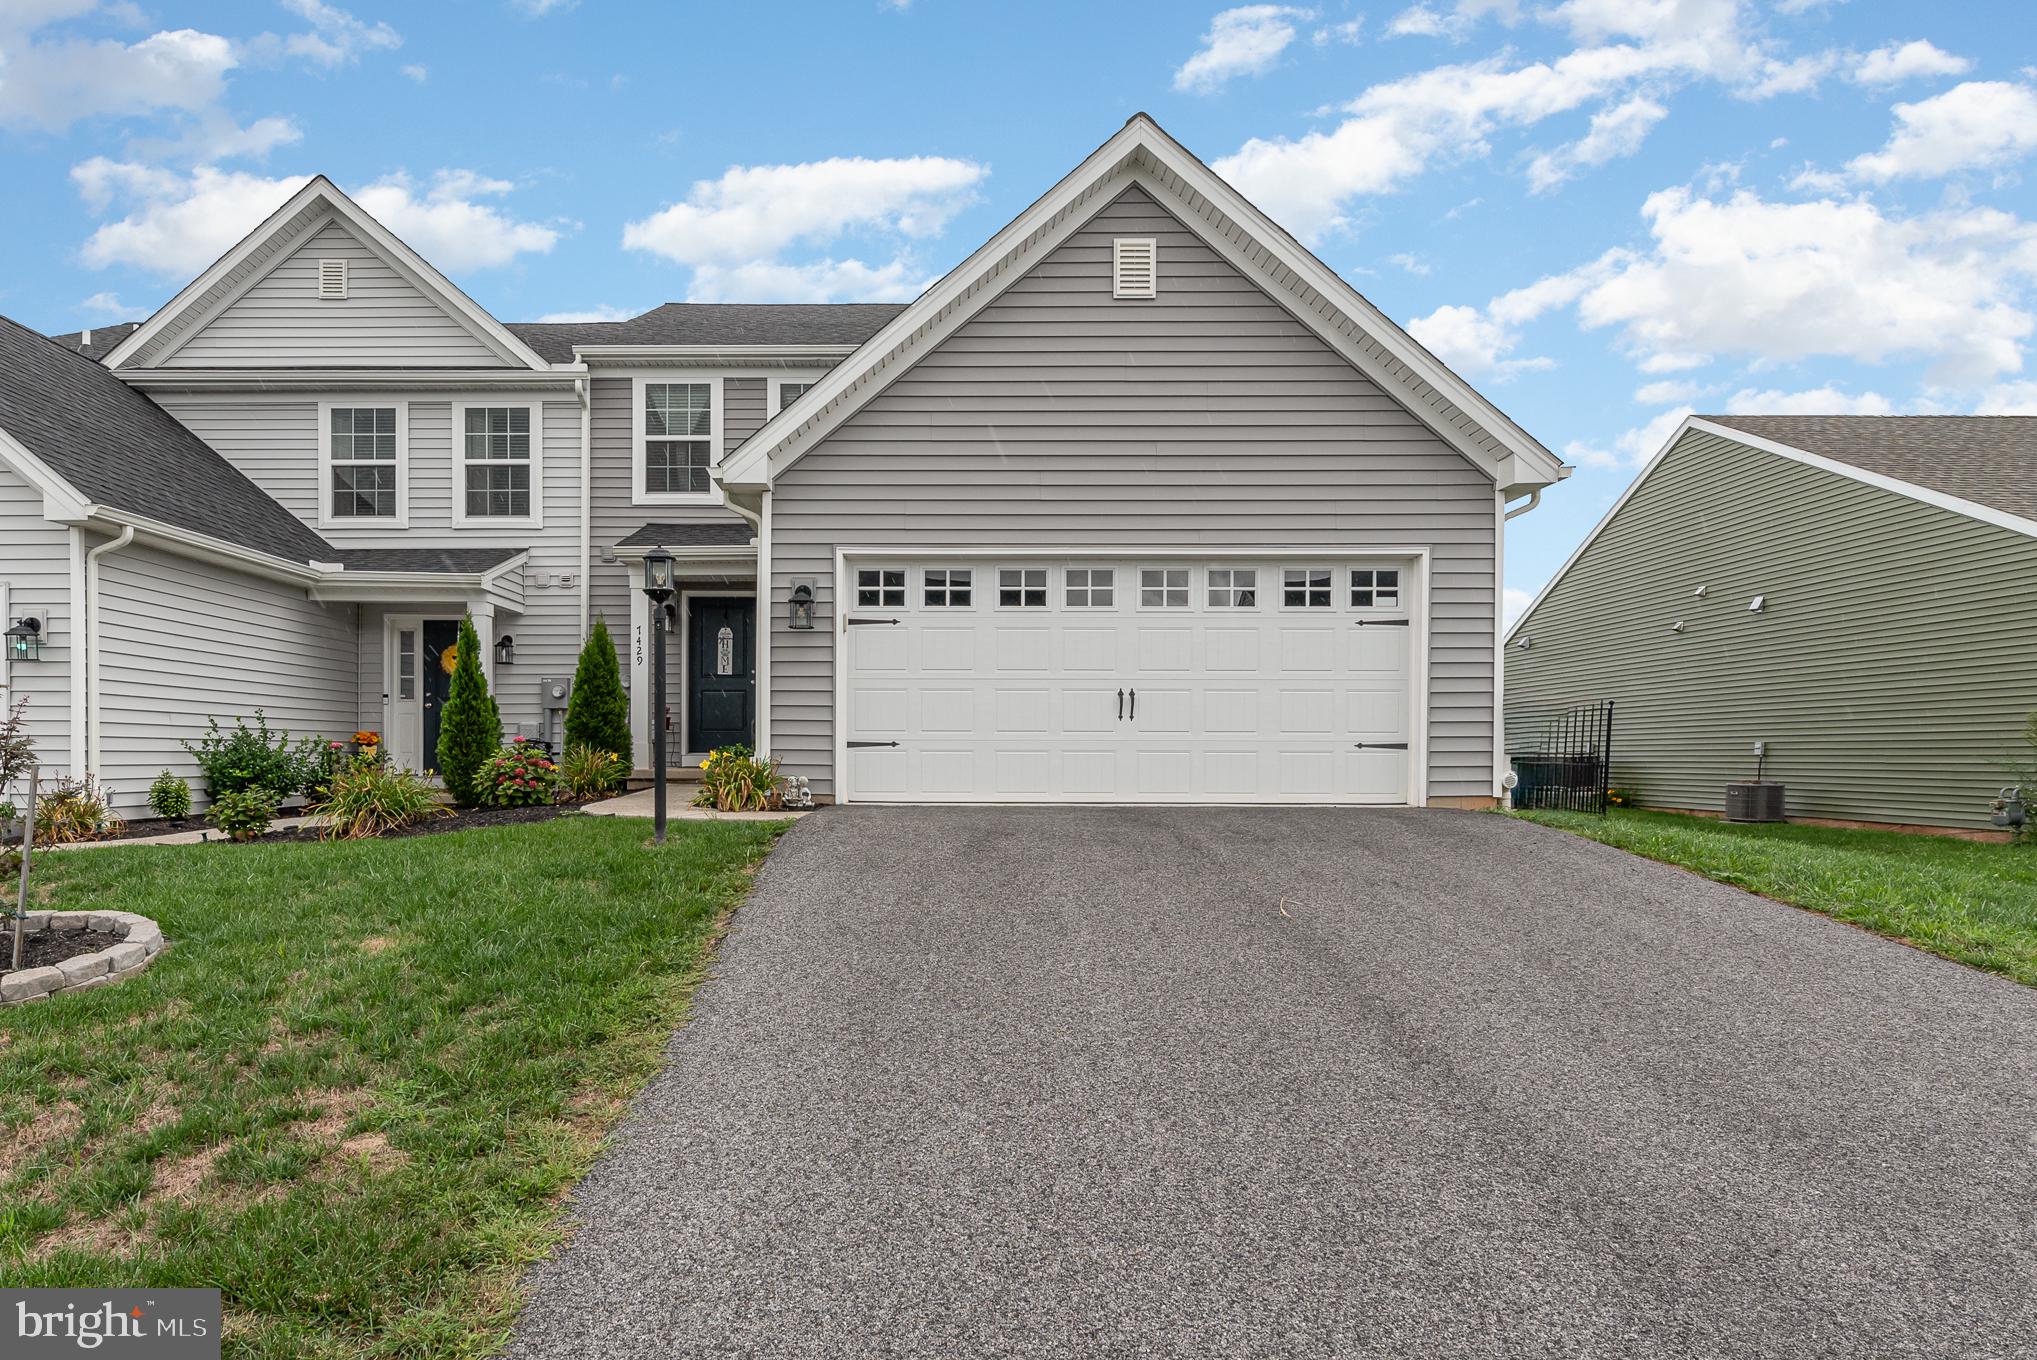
[{"x": 1128, "y": 680}]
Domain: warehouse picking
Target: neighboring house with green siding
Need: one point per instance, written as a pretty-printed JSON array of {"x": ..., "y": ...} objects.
[{"x": 1858, "y": 593}]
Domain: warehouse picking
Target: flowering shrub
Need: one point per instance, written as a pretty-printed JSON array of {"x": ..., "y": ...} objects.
[
  {"x": 243, "y": 815},
  {"x": 732, "y": 779},
  {"x": 254, "y": 758},
  {"x": 521, "y": 774},
  {"x": 1618, "y": 797}
]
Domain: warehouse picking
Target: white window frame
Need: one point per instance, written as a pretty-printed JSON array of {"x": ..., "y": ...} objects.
[
  {"x": 326, "y": 518},
  {"x": 1231, "y": 588},
  {"x": 1336, "y": 591},
  {"x": 1140, "y": 588},
  {"x": 975, "y": 587},
  {"x": 536, "y": 518},
  {"x": 997, "y": 586},
  {"x": 717, "y": 395},
  {"x": 1399, "y": 589},
  {"x": 778, "y": 384},
  {"x": 1116, "y": 588}
]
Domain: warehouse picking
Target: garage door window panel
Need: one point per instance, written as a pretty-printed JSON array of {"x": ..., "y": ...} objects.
[
  {"x": 1163, "y": 588},
  {"x": 1091, "y": 587},
  {"x": 1305, "y": 588},
  {"x": 1375, "y": 588},
  {"x": 880, "y": 587},
  {"x": 949, "y": 587},
  {"x": 1022, "y": 588},
  {"x": 1233, "y": 588}
]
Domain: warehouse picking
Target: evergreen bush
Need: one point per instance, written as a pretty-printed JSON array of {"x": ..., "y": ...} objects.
[
  {"x": 470, "y": 728},
  {"x": 597, "y": 711}
]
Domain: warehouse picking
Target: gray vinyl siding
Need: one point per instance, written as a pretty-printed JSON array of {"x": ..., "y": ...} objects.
[
  {"x": 1059, "y": 416},
  {"x": 35, "y": 562},
  {"x": 384, "y": 321},
  {"x": 184, "y": 640},
  {"x": 1890, "y": 672}
]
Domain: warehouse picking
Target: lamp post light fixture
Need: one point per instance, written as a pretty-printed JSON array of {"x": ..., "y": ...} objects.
[
  {"x": 658, "y": 587},
  {"x": 24, "y": 639}
]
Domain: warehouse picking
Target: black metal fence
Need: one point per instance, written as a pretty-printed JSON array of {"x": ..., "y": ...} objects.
[{"x": 1566, "y": 760}]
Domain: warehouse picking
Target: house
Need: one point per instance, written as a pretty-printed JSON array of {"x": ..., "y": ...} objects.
[
  {"x": 1141, "y": 502},
  {"x": 1858, "y": 594}
]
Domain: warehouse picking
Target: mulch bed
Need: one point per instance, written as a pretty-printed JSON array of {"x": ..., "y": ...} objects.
[
  {"x": 461, "y": 819},
  {"x": 46, "y": 947}
]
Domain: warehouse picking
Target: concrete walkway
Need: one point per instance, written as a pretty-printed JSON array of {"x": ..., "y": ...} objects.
[
  {"x": 679, "y": 808},
  {"x": 1114, "y": 1082}
]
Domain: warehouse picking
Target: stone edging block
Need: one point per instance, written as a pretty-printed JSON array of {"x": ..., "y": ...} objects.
[{"x": 140, "y": 941}]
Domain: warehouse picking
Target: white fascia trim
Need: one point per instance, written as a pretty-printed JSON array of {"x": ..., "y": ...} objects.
[
  {"x": 1986, "y": 514},
  {"x": 61, "y": 502},
  {"x": 153, "y": 532},
  {"x": 396, "y": 254},
  {"x": 345, "y": 379},
  {"x": 536, "y": 518},
  {"x": 772, "y": 356},
  {"x": 754, "y": 464},
  {"x": 713, "y": 552},
  {"x": 775, "y": 402},
  {"x": 326, "y": 519},
  {"x": 717, "y": 408}
]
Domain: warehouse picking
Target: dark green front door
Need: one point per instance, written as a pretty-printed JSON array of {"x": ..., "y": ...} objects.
[
  {"x": 721, "y": 673},
  {"x": 441, "y": 642}
]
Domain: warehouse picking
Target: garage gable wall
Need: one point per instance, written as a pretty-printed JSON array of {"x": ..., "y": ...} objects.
[{"x": 1060, "y": 416}]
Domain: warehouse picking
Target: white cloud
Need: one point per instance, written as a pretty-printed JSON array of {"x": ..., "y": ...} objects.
[
  {"x": 420, "y": 74},
  {"x": 2009, "y": 399},
  {"x": 1426, "y": 21},
  {"x": 1668, "y": 390},
  {"x": 1788, "y": 281},
  {"x": 1346, "y": 33},
  {"x": 1615, "y": 132},
  {"x": 177, "y": 224},
  {"x": 1515, "y": 602},
  {"x": 1472, "y": 342},
  {"x": 732, "y": 231},
  {"x": 51, "y": 85},
  {"x": 1894, "y": 63},
  {"x": 537, "y": 9},
  {"x": 105, "y": 304},
  {"x": 1818, "y": 401},
  {"x": 1244, "y": 41},
  {"x": 1979, "y": 124},
  {"x": 592, "y": 314},
  {"x": 449, "y": 225},
  {"x": 1413, "y": 264},
  {"x": 336, "y": 38},
  {"x": 1632, "y": 448}
]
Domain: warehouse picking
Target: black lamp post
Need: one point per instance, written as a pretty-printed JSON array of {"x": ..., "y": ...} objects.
[{"x": 658, "y": 586}]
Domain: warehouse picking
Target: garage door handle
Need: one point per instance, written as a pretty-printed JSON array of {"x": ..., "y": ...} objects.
[
  {"x": 1121, "y": 705},
  {"x": 1135, "y": 703},
  {"x": 1382, "y": 746},
  {"x": 864, "y": 745}
]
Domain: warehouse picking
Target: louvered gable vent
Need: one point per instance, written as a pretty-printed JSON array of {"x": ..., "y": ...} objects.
[
  {"x": 332, "y": 278},
  {"x": 1135, "y": 267}
]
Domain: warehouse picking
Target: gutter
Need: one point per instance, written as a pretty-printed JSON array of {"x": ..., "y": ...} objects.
[
  {"x": 90, "y": 637},
  {"x": 1534, "y": 499}
]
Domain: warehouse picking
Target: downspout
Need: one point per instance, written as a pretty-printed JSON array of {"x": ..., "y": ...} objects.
[
  {"x": 584, "y": 389},
  {"x": 763, "y": 719},
  {"x": 1499, "y": 634},
  {"x": 93, "y": 755},
  {"x": 1534, "y": 499}
]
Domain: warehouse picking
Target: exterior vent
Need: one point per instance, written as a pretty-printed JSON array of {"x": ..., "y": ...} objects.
[
  {"x": 332, "y": 278},
  {"x": 1135, "y": 267}
]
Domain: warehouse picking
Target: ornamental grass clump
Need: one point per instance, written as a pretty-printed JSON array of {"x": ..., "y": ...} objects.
[
  {"x": 521, "y": 774},
  {"x": 368, "y": 797},
  {"x": 585, "y": 772},
  {"x": 732, "y": 779},
  {"x": 75, "y": 810}
]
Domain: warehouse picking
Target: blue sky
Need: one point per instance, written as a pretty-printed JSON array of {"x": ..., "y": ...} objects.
[{"x": 1603, "y": 212}]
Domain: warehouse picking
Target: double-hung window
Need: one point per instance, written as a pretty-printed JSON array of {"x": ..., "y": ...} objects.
[
  {"x": 678, "y": 438},
  {"x": 498, "y": 459},
  {"x": 364, "y": 457}
]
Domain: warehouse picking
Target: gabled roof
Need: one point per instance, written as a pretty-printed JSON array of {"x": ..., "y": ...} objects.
[
  {"x": 116, "y": 448},
  {"x": 1143, "y": 153},
  {"x": 233, "y": 273},
  {"x": 731, "y": 324},
  {"x": 1976, "y": 452},
  {"x": 99, "y": 341},
  {"x": 730, "y": 533},
  {"x": 1989, "y": 460}
]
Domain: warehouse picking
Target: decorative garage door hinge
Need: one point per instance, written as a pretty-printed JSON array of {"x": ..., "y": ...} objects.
[
  {"x": 1382, "y": 623},
  {"x": 1363, "y": 745},
  {"x": 860, "y": 745},
  {"x": 864, "y": 623}
]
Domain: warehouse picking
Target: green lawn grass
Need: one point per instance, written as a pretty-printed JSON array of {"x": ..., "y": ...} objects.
[
  {"x": 352, "y": 1093},
  {"x": 1972, "y": 901}
]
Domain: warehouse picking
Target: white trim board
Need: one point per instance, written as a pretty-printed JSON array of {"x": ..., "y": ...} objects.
[
  {"x": 1142, "y": 153},
  {"x": 1985, "y": 513}
]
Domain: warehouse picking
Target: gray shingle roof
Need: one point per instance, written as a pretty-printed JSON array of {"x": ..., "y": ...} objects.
[
  {"x": 715, "y": 323},
  {"x": 121, "y": 450},
  {"x": 1989, "y": 460},
  {"x": 104, "y": 339},
  {"x": 732, "y": 532},
  {"x": 453, "y": 561}
]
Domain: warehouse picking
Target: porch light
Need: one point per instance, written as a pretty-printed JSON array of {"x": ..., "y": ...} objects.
[
  {"x": 658, "y": 575},
  {"x": 24, "y": 639},
  {"x": 802, "y": 606},
  {"x": 505, "y": 650}
]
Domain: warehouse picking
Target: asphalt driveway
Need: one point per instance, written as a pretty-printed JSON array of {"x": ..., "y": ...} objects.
[{"x": 1109, "y": 1082}]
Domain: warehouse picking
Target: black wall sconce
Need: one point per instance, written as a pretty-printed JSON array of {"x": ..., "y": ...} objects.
[
  {"x": 802, "y": 604},
  {"x": 24, "y": 639},
  {"x": 505, "y": 650}
]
